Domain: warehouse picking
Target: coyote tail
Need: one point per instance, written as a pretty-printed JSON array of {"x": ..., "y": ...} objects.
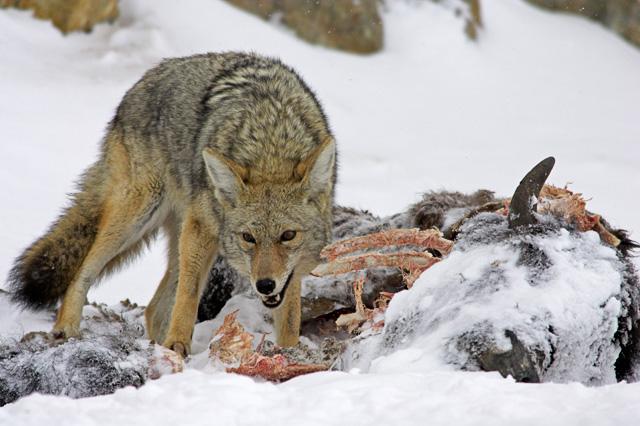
[{"x": 41, "y": 274}]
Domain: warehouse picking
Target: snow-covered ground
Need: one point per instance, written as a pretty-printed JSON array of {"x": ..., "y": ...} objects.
[
  {"x": 432, "y": 111},
  {"x": 438, "y": 398}
]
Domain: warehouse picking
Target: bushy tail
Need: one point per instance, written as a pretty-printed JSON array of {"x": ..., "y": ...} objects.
[{"x": 41, "y": 275}]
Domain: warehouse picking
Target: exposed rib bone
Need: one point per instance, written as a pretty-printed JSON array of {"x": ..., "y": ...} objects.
[
  {"x": 407, "y": 261},
  {"x": 428, "y": 238}
]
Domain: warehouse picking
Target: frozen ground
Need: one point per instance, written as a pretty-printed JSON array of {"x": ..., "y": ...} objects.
[{"x": 432, "y": 111}]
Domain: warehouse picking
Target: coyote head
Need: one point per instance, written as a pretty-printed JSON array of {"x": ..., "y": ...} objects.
[{"x": 274, "y": 222}]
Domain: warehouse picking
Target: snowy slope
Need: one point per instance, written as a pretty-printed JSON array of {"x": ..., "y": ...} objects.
[{"x": 432, "y": 111}]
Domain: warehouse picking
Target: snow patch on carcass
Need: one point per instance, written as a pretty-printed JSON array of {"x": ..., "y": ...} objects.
[{"x": 558, "y": 291}]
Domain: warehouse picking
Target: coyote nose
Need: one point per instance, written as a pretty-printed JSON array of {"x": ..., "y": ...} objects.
[{"x": 265, "y": 286}]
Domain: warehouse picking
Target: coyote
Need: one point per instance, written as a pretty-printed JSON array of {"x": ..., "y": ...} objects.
[{"x": 228, "y": 154}]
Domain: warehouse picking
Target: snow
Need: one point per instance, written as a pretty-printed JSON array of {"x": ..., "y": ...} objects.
[
  {"x": 433, "y": 110},
  {"x": 438, "y": 398}
]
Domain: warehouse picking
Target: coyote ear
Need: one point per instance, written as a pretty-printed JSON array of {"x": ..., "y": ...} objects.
[
  {"x": 227, "y": 176},
  {"x": 317, "y": 169}
]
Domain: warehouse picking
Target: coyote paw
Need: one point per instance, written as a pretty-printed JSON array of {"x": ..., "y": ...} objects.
[
  {"x": 178, "y": 347},
  {"x": 65, "y": 333}
]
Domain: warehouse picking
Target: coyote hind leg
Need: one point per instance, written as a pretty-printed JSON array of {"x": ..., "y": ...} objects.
[
  {"x": 124, "y": 221},
  {"x": 158, "y": 312}
]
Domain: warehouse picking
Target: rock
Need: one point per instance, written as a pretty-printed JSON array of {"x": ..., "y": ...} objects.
[
  {"x": 69, "y": 15},
  {"x": 263, "y": 8},
  {"x": 351, "y": 25},
  {"x": 622, "y": 16},
  {"x": 595, "y": 9}
]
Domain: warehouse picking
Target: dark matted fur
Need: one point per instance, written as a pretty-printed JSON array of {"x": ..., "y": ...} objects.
[{"x": 430, "y": 212}]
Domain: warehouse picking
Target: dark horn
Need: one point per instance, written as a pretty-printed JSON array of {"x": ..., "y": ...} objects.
[{"x": 523, "y": 201}]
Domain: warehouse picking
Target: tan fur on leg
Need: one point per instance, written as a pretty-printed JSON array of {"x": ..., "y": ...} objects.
[
  {"x": 158, "y": 311},
  {"x": 120, "y": 218},
  {"x": 286, "y": 318},
  {"x": 198, "y": 246},
  {"x": 129, "y": 209}
]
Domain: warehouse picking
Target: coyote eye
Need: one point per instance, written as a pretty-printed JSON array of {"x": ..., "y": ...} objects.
[
  {"x": 288, "y": 235},
  {"x": 248, "y": 238}
]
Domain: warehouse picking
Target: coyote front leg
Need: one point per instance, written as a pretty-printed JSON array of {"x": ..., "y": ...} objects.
[
  {"x": 197, "y": 249},
  {"x": 286, "y": 318}
]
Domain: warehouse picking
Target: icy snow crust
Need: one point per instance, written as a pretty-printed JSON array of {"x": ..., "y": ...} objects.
[{"x": 559, "y": 292}]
